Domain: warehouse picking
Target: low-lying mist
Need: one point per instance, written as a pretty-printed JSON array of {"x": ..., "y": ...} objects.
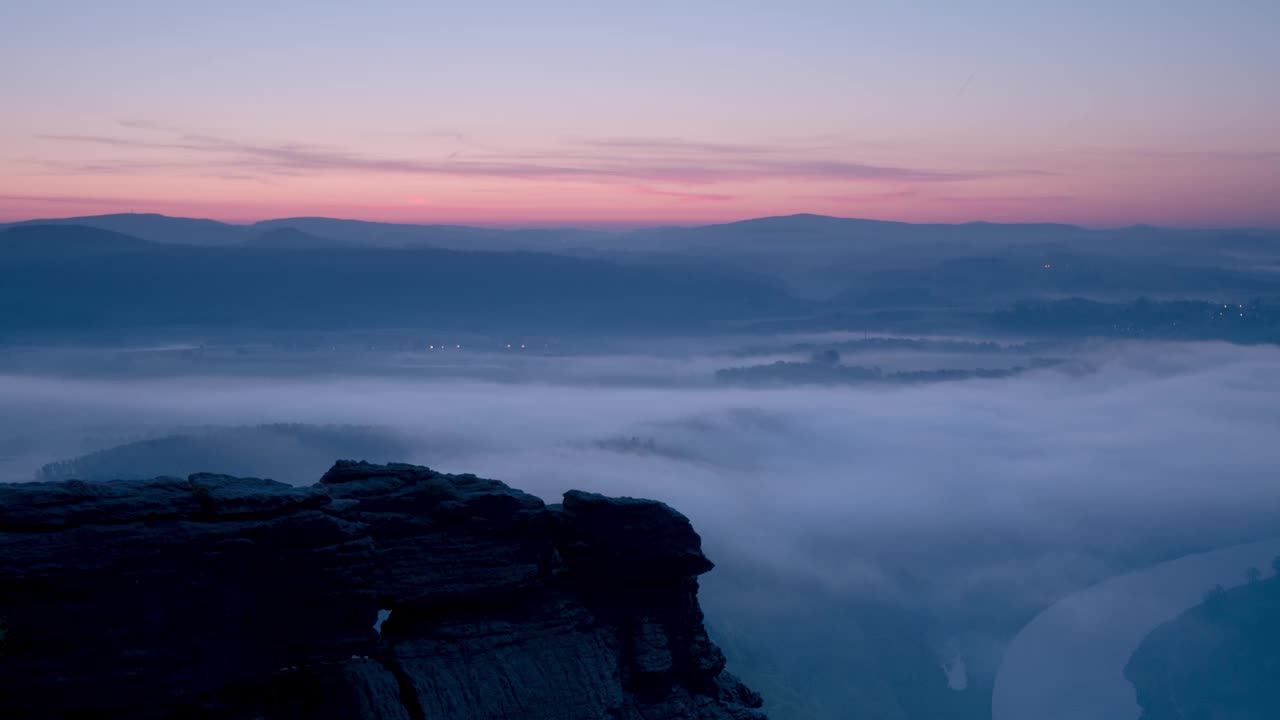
[{"x": 956, "y": 510}]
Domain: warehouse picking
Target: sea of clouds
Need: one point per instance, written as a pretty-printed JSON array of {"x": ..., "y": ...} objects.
[{"x": 959, "y": 500}]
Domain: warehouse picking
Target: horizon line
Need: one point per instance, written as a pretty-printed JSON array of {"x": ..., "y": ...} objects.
[{"x": 632, "y": 226}]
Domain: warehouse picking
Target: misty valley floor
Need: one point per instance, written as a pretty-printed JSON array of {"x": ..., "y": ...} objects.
[{"x": 868, "y": 535}]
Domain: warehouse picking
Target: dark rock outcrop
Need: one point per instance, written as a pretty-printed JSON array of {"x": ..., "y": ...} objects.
[{"x": 383, "y": 591}]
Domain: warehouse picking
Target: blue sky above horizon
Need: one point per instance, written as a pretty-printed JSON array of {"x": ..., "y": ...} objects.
[{"x": 607, "y": 113}]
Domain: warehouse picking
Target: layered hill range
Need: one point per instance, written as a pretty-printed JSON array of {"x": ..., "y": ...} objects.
[
  {"x": 107, "y": 272},
  {"x": 383, "y": 591}
]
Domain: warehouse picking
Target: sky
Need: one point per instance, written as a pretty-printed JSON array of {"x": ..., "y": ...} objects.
[{"x": 625, "y": 114}]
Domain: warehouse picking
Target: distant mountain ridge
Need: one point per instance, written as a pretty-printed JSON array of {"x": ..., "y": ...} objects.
[
  {"x": 290, "y": 237},
  {"x": 839, "y": 272},
  {"x": 67, "y": 277},
  {"x": 71, "y": 241},
  {"x": 808, "y": 247},
  {"x": 197, "y": 231},
  {"x": 156, "y": 228}
]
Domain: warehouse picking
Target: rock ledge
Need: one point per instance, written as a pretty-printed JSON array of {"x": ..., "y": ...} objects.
[{"x": 383, "y": 591}]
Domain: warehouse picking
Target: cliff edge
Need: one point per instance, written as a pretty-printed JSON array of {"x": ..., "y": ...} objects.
[{"x": 383, "y": 591}]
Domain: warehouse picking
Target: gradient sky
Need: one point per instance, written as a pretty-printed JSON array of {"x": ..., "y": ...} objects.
[{"x": 611, "y": 113}]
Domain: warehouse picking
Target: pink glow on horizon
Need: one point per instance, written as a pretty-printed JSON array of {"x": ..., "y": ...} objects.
[
  {"x": 634, "y": 206},
  {"x": 630, "y": 182}
]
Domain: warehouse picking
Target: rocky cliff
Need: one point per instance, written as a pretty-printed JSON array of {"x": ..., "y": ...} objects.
[{"x": 383, "y": 591}]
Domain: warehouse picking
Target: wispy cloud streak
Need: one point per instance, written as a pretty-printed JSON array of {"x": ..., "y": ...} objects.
[{"x": 629, "y": 160}]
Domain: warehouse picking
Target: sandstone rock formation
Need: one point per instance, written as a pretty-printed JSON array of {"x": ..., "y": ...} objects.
[{"x": 383, "y": 591}]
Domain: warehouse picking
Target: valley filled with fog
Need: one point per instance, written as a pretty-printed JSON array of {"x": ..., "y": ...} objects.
[
  {"x": 879, "y": 539},
  {"x": 910, "y": 449}
]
